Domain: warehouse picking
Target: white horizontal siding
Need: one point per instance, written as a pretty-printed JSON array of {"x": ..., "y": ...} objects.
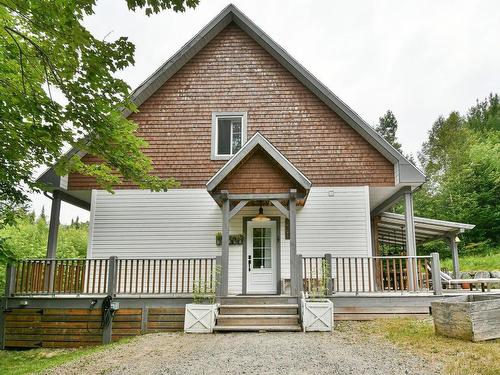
[
  {"x": 337, "y": 223},
  {"x": 183, "y": 223},
  {"x": 140, "y": 223}
]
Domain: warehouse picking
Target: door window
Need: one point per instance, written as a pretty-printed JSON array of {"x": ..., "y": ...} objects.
[{"x": 262, "y": 248}]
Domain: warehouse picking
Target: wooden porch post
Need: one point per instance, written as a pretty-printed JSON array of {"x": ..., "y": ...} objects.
[
  {"x": 225, "y": 243},
  {"x": 411, "y": 246},
  {"x": 294, "y": 271},
  {"x": 55, "y": 211},
  {"x": 454, "y": 256}
]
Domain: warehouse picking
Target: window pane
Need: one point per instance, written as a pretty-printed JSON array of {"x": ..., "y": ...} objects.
[
  {"x": 236, "y": 135},
  {"x": 257, "y": 263},
  {"x": 224, "y": 137}
]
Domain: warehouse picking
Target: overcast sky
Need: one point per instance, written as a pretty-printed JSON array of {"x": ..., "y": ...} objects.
[{"x": 421, "y": 59}]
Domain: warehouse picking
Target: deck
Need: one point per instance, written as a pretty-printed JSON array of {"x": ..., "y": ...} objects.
[{"x": 58, "y": 303}]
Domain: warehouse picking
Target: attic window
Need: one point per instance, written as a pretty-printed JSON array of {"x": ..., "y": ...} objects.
[{"x": 228, "y": 134}]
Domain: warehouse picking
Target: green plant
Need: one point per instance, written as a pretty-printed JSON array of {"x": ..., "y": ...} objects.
[
  {"x": 205, "y": 293},
  {"x": 322, "y": 288},
  {"x": 218, "y": 238}
]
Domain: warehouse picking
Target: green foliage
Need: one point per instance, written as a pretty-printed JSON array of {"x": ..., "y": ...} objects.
[
  {"x": 487, "y": 262},
  {"x": 59, "y": 88},
  {"x": 34, "y": 361},
  {"x": 28, "y": 239},
  {"x": 461, "y": 159},
  {"x": 206, "y": 293},
  {"x": 387, "y": 127}
]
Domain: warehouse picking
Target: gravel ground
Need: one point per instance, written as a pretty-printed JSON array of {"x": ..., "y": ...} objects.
[{"x": 340, "y": 352}]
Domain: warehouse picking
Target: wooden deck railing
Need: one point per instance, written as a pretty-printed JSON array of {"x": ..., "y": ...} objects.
[
  {"x": 112, "y": 276},
  {"x": 366, "y": 274}
]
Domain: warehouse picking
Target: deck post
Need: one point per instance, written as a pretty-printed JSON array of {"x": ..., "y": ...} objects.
[
  {"x": 329, "y": 281},
  {"x": 294, "y": 274},
  {"x": 112, "y": 274},
  {"x": 225, "y": 243},
  {"x": 10, "y": 280},
  {"x": 454, "y": 256},
  {"x": 436, "y": 274},
  {"x": 300, "y": 275},
  {"x": 55, "y": 211},
  {"x": 411, "y": 246}
]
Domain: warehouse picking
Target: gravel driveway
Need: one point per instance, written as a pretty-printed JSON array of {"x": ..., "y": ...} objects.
[{"x": 340, "y": 352}]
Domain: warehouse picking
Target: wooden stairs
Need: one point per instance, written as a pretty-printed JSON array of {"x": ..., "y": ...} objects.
[{"x": 258, "y": 314}]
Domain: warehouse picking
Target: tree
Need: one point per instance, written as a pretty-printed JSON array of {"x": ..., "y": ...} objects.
[
  {"x": 59, "y": 89},
  {"x": 387, "y": 127},
  {"x": 462, "y": 164}
]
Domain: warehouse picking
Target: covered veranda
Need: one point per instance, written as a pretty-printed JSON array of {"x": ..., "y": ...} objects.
[{"x": 390, "y": 231}]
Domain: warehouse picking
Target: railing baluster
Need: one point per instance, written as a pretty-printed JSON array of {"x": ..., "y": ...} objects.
[
  {"x": 395, "y": 281},
  {"x": 401, "y": 278},
  {"x": 363, "y": 273},
  {"x": 356, "y": 273}
]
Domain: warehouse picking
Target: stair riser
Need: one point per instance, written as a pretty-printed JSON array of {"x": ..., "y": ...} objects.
[
  {"x": 257, "y": 322},
  {"x": 257, "y": 300},
  {"x": 228, "y": 310}
]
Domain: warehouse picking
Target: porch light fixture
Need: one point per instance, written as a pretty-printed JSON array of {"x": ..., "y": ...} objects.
[
  {"x": 260, "y": 216},
  {"x": 457, "y": 239}
]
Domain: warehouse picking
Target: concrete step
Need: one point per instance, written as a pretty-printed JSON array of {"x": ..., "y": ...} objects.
[
  {"x": 258, "y": 300},
  {"x": 289, "y": 309},
  {"x": 290, "y": 328},
  {"x": 257, "y": 320}
]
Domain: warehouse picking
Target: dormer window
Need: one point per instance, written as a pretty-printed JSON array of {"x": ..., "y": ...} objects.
[{"x": 229, "y": 134}]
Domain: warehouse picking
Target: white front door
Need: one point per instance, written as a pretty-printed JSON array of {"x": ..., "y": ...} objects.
[{"x": 261, "y": 262}]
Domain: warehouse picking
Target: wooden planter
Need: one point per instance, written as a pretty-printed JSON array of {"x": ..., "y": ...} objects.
[
  {"x": 200, "y": 318},
  {"x": 317, "y": 315},
  {"x": 473, "y": 317}
]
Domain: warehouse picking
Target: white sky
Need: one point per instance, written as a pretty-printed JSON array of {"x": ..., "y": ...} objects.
[{"x": 421, "y": 59}]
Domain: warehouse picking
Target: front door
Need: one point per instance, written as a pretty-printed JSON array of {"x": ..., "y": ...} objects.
[{"x": 261, "y": 262}]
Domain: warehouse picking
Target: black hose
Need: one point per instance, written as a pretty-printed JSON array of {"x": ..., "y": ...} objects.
[{"x": 107, "y": 312}]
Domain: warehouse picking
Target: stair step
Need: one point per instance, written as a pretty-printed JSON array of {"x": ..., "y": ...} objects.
[
  {"x": 289, "y": 328},
  {"x": 259, "y": 309},
  {"x": 257, "y": 300},
  {"x": 257, "y": 320}
]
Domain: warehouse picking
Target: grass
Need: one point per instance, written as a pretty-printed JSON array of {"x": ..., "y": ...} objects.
[
  {"x": 33, "y": 361},
  {"x": 488, "y": 262},
  {"x": 417, "y": 336}
]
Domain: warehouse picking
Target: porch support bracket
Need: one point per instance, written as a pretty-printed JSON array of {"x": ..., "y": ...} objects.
[
  {"x": 237, "y": 208},
  {"x": 281, "y": 208}
]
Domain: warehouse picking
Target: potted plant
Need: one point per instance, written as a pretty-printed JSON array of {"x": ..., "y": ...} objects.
[
  {"x": 465, "y": 285},
  {"x": 200, "y": 315},
  {"x": 218, "y": 238},
  {"x": 316, "y": 309}
]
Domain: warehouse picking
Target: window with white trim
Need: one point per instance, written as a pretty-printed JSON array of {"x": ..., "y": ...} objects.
[{"x": 228, "y": 134}]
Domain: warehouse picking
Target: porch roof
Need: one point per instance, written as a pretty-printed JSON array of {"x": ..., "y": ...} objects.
[
  {"x": 258, "y": 140},
  {"x": 391, "y": 229}
]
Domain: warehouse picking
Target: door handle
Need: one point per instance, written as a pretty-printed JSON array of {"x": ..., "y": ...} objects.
[{"x": 249, "y": 263}]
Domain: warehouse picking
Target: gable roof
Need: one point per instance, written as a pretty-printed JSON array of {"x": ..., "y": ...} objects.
[
  {"x": 405, "y": 171},
  {"x": 258, "y": 140}
]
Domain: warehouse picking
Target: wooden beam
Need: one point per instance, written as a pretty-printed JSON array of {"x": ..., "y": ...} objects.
[
  {"x": 454, "y": 256},
  {"x": 281, "y": 208},
  {"x": 294, "y": 271},
  {"x": 73, "y": 200},
  {"x": 391, "y": 201},
  {"x": 411, "y": 244},
  {"x": 55, "y": 210},
  {"x": 258, "y": 197},
  {"x": 225, "y": 244},
  {"x": 237, "y": 208}
]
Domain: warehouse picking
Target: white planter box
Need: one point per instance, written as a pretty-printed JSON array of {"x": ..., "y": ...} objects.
[
  {"x": 200, "y": 318},
  {"x": 317, "y": 315}
]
